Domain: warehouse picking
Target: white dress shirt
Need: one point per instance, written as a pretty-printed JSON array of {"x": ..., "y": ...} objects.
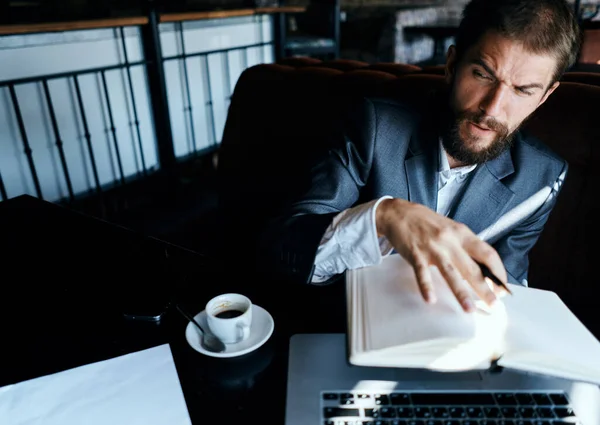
[{"x": 351, "y": 239}]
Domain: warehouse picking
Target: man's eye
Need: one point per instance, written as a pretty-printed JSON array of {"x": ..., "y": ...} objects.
[
  {"x": 524, "y": 92},
  {"x": 479, "y": 74}
]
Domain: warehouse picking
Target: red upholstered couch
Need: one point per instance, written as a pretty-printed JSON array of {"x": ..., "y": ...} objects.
[{"x": 278, "y": 121}]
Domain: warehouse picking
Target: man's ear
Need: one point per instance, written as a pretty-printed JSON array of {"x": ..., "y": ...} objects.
[
  {"x": 450, "y": 68},
  {"x": 548, "y": 92}
]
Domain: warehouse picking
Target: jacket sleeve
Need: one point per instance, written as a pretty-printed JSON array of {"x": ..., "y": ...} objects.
[
  {"x": 288, "y": 244},
  {"x": 514, "y": 247}
]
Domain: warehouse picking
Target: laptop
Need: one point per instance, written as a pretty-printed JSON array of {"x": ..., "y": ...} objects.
[{"x": 324, "y": 389}]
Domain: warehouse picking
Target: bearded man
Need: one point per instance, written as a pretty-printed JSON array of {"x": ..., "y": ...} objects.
[{"x": 454, "y": 187}]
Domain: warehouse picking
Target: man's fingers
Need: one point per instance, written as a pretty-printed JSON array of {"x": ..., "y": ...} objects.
[
  {"x": 472, "y": 274},
  {"x": 499, "y": 291},
  {"x": 426, "y": 238},
  {"x": 484, "y": 253},
  {"x": 424, "y": 279},
  {"x": 456, "y": 282}
]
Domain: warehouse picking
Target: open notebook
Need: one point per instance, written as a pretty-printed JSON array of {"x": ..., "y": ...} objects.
[{"x": 390, "y": 325}]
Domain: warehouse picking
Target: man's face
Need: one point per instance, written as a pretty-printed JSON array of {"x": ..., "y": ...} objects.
[{"x": 495, "y": 86}]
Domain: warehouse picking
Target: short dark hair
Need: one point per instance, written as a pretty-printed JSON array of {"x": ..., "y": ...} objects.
[{"x": 544, "y": 26}]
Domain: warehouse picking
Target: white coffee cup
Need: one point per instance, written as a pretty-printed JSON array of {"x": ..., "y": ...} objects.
[{"x": 229, "y": 317}]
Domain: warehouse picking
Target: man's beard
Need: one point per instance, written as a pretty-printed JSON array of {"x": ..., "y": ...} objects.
[{"x": 460, "y": 149}]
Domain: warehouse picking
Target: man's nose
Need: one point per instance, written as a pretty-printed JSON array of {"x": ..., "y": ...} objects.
[{"x": 493, "y": 103}]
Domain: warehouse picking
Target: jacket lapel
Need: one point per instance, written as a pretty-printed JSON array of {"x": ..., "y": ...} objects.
[
  {"x": 422, "y": 166},
  {"x": 485, "y": 198}
]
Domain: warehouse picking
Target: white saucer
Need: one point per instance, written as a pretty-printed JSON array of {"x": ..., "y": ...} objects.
[{"x": 260, "y": 331}]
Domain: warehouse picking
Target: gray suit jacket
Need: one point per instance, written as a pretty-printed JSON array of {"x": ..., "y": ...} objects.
[{"x": 389, "y": 148}]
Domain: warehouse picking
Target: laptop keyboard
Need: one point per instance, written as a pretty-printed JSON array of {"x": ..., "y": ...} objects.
[{"x": 446, "y": 408}]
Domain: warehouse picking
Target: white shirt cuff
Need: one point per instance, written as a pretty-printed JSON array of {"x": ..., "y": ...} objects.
[{"x": 351, "y": 242}]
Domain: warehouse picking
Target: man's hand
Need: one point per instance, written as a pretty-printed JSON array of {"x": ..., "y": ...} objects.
[{"x": 425, "y": 238}]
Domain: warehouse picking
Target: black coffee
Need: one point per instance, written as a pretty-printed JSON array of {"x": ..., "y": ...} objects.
[{"x": 229, "y": 314}]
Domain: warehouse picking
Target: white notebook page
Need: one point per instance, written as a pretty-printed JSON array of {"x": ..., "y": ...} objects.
[
  {"x": 140, "y": 388},
  {"x": 390, "y": 289},
  {"x": 542, "y": 326}
]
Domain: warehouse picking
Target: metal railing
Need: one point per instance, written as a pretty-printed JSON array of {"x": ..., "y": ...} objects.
[
  {"x": 74, "y": 78},
  {"x": 204, "y": 56},
  {"x": 151, "y": 63}
]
